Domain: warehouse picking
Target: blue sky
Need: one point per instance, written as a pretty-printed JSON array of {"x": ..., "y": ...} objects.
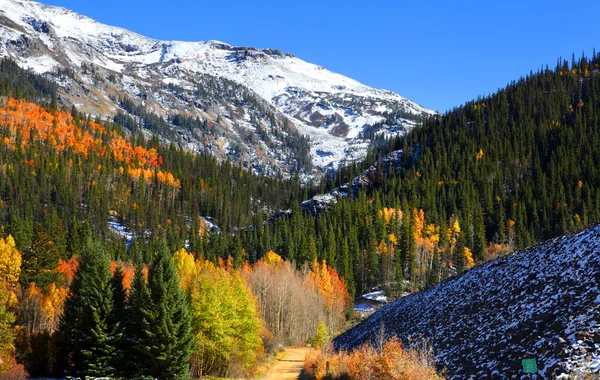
[{"x": 437, "y": 53}]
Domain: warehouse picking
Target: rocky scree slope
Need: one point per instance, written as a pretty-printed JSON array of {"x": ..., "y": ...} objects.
[
  {"x": 253, "y": 105},
  {"x": 543, "y": 302}
]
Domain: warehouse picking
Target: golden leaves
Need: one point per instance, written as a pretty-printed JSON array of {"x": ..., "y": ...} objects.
[{"x": 10, "y": 263}]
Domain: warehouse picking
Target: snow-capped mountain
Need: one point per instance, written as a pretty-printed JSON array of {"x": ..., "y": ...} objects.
[
  {"x": 254, "y": 105},
  {"x": 542, "y": 303}
]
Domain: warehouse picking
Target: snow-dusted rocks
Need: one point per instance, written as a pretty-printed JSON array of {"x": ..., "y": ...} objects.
[
  {"x": 283, "y": 93},
  {"x": 542, "y": 302}
]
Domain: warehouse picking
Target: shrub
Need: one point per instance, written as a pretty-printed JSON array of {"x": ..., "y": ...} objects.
[{"x": 368, "y": 363}]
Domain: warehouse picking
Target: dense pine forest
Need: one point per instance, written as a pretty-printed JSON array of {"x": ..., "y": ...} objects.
[{"x": 500, "y": 173}]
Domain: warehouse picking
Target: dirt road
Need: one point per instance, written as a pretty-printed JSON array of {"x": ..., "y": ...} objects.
[{"x": 289, "y": 366}]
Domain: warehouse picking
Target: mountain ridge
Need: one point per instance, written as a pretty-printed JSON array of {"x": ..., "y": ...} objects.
[{"x": 300, "y": 97}]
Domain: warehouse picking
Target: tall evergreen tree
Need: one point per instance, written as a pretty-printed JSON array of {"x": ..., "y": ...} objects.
[
  {"x": 40, "y": 261},
  {"x": 166, "y": 342},
  {"x": 135, "y": 323},
  {"x": 479, "y": 239},
  {"x": 87, "y": 334},
  {"x": 118, "y": 320}
]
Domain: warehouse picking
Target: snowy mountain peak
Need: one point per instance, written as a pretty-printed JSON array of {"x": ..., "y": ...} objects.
[{"x": 295, "y": 97}]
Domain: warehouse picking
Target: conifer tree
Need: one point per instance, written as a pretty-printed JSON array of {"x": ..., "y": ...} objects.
[
  {"x": 85, "y": 328},
  {"x": 118, "y": 320},
  {"x": 40, "y": 261},
  {"x": 166, "y": 342},
  {"x": 135, "y": 323},
  {"x": 479, "y": 239}
]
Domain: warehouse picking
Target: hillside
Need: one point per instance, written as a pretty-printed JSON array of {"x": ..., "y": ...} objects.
[
  {"x": 106, "y": 174},
  {"x": 254, "y": 104},
  {"x": 543, "y": 302}
]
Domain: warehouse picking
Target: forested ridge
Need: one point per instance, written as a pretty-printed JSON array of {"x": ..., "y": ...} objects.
[
  {"x": 497, "y": 174},
  {"x": 500, "y": 173}
]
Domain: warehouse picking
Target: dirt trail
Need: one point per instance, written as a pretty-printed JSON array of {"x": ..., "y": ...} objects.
[{"x": 289, "y": 366}]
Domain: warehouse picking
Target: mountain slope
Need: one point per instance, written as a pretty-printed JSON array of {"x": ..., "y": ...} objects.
[
  {"x": 543, "y": 302},
  {"x": 95, "y": 64}
]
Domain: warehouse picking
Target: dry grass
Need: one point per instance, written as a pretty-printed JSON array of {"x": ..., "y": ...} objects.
[{"x": 392, "y": 361}]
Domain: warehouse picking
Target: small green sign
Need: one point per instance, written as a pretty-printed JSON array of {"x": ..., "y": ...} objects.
[{"x": 529, "y": 365}]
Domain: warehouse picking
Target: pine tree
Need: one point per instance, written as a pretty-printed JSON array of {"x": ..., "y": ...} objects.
[
  {"x": 461, "y": 260},
  {"x": 436, "y": 266},
  {"x": 346, "y": 267},
  {"x": 167, "y": 341},
  {"x": 479, "y": 239},
  {"x": 40, "y": 261},
  {"x": 331, "y": 253},
  {"x": 85, "y": 329},
  {"x": 118, "y": 320},
  {"x": 135, "y": 323}
]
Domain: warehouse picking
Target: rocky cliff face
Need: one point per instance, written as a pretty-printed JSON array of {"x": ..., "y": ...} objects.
[
  {"x": 251, "y": 105},
  {"x": 542, "y": 303}
]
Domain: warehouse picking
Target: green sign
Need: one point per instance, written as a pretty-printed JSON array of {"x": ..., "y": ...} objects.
[{"x": 529, "y": 365}]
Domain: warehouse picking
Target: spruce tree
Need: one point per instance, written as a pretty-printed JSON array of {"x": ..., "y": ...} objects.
[
  {"x": 135, "y": 323},
  {"x": 40, "y": 261},
  {"x": 118, "y": 319},
  {"x": 166, "y": 341},
  {"x": 479, "y": 239},
  {"x": 86, "y": 334}
]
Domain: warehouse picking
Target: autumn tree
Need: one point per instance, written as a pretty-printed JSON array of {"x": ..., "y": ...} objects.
[
  {"x": 224, "y": 315},
  {"x": 10, "y": 266},
  {"x": 7, "y": 333},
  {"x": 321, "y": 337},
  {"x": 10, "y": 269}
]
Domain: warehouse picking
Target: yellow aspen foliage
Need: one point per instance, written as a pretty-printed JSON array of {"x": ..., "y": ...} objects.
[
  {"x": 10, "y": 266},
  {"x": 479, "y": 155},
  {"x": 419, "y": 218},
  {"x": 469, "y": 257},
  {"x": 389, "y": 213},
  {"x": 10, "y": 261},
  {"x": 185, "y": 266},
  {"x": 433, "y": 233},
  {"x": 455, "y": 227},
  {"x": 393, "y": 239},
  {"x": 331, "y": 286},
  {"x": 225, "y": 317},
  {"x": 53, "y": 303},
  {"x": 7, "y": 333},
  {"x": 272, "y": 258},
  {"x": 382, "y": 248}
]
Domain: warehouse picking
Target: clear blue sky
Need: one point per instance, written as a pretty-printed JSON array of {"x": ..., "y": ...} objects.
[{"x": 438, "y": 53}]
